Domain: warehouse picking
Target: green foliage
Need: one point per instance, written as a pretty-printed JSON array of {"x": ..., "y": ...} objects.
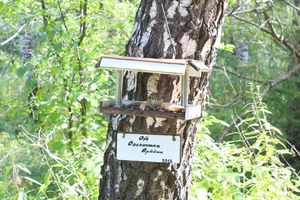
[
  {"x": 252, "y": 24},
  {"x": 49, "y": 117},
  {"x": 250, "y": 167},
  {"x": 47, "y": 169},
  {"x": 267, "y": 60}
]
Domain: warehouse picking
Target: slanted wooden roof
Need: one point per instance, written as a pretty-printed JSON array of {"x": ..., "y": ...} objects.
[{"x": 153, "y": 65}]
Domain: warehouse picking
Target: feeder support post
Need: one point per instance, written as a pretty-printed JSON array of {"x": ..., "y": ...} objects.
[
  {"x": 119, "y": 88},
  {"x": 185, "y": 87}
]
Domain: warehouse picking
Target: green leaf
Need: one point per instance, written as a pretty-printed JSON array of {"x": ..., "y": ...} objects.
[
  {"x": 8, "y": 169},
  {"x": 258, "y": 171},
  {"x": 232, "y": 2},
  {"x": 57, "y": 46},
  {"x": 42, "y": 188},
  {"x": 21, "y": 71},
  {"x": 30, "y": 84},
  {"x": 22, "y": 195},
  {"x": 56, "y": 145},
  {"x": 54, "y": 116},
  {"x": 24, "y": 169},
  {"x": 224, "y": 123},
  {"x": 47, "y": 179},
  {"x": 32, "y": 180},
  {"x": 227, "y": 47}
]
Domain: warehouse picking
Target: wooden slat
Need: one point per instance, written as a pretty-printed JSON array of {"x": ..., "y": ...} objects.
[
  {"x": 143, "y": 113},
  {"x": 156, "y": 60},
  {"x": 108, "y": 107},
  {"x": 142, "y": 66},
  {"x": 154, "y": 65}
]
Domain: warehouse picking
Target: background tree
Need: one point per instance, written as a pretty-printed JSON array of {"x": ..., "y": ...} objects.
[
  {"x": 163, "y": 29},
  {"x": 272, "y": 49}
]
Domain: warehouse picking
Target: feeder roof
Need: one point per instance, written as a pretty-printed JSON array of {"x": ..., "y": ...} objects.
[{"x": 153, "y": 65}]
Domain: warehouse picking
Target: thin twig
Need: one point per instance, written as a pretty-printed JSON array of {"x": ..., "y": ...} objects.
[
  {"x": 241, "y": 76},
  {"x": 230, "y": 83},
  {"x": 227, "y": 128},
  {"x": 63, "y": 18},
  {"x": 236, "y": 12},
  {"x": 243, "y": 137},
  {"x": 169, "y": 32},
  {"x": 44, "y": 14},
  {"x": 82, "y": 28},
  {"x": 293, "y": 6},
  {"x": 288, "y": 164},
  {"x": 233, "y": 10},
  {"x": 13, "y": 36},
  {"x": 272, "y": 83},
  {"x": 282, "y": 78},
  {"x": 232, "y": 103},
  {"x": 253, "y": 24},
  {"x": 292, "y": 146},
  {"x": 278, "y": 39}
]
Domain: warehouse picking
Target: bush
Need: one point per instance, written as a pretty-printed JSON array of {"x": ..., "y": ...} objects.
[{"x": 248, "y": 168}]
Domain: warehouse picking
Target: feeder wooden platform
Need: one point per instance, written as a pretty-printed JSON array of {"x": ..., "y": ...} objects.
[
  {"x": 184, "y": 68},
  {"x": 134, "y": 108}
]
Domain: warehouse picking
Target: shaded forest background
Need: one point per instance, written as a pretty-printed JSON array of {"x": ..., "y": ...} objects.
[{"x": 52, "y": 136}]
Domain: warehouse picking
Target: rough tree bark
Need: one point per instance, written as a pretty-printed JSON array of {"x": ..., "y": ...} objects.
[{"x": 195, "y": 27}]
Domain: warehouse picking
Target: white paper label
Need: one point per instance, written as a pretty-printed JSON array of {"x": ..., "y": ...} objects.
[{"x": 148, "y": 148}]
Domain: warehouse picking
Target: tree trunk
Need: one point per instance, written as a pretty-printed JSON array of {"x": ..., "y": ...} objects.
[{"x": 195, "y": 28}]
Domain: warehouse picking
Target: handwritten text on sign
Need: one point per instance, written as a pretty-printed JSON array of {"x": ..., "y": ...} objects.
[{"x": 148, "y": 148}]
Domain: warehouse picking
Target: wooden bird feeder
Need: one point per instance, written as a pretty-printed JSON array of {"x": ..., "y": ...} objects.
[{"x": 175, "y": 67}]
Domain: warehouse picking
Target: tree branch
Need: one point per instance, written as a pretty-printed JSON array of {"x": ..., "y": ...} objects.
[
  {"x": 82, "y": 28},
  {"x": 282, "y": 78},
  {"x": 253, "y": 24},
  {"x": 13, "y": 36},
  {"x": 227, "y": 128},
  {"x": 235, "y": 11},
  {"x": 63, "y": 18},
  {"x": 293, "y": 6},
  {"x": 280, "y": 38},
  {"x": 272, "y": 83},
  {"x": 44, "y": 14},
  {"x": 241, "y": 76}
]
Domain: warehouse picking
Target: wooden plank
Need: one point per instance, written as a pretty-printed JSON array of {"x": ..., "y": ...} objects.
[
  {"x": 192, "y": 111},
  {"x": 142, "y": 66},
  {"x": 156, "y": 60},
  {"x": 143, "y": 113},
  {"x": 154, "y": 65},
  {"x": 108, "y": 107}
]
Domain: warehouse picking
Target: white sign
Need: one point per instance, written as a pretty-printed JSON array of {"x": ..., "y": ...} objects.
[{"x": 148, "y": 148}]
